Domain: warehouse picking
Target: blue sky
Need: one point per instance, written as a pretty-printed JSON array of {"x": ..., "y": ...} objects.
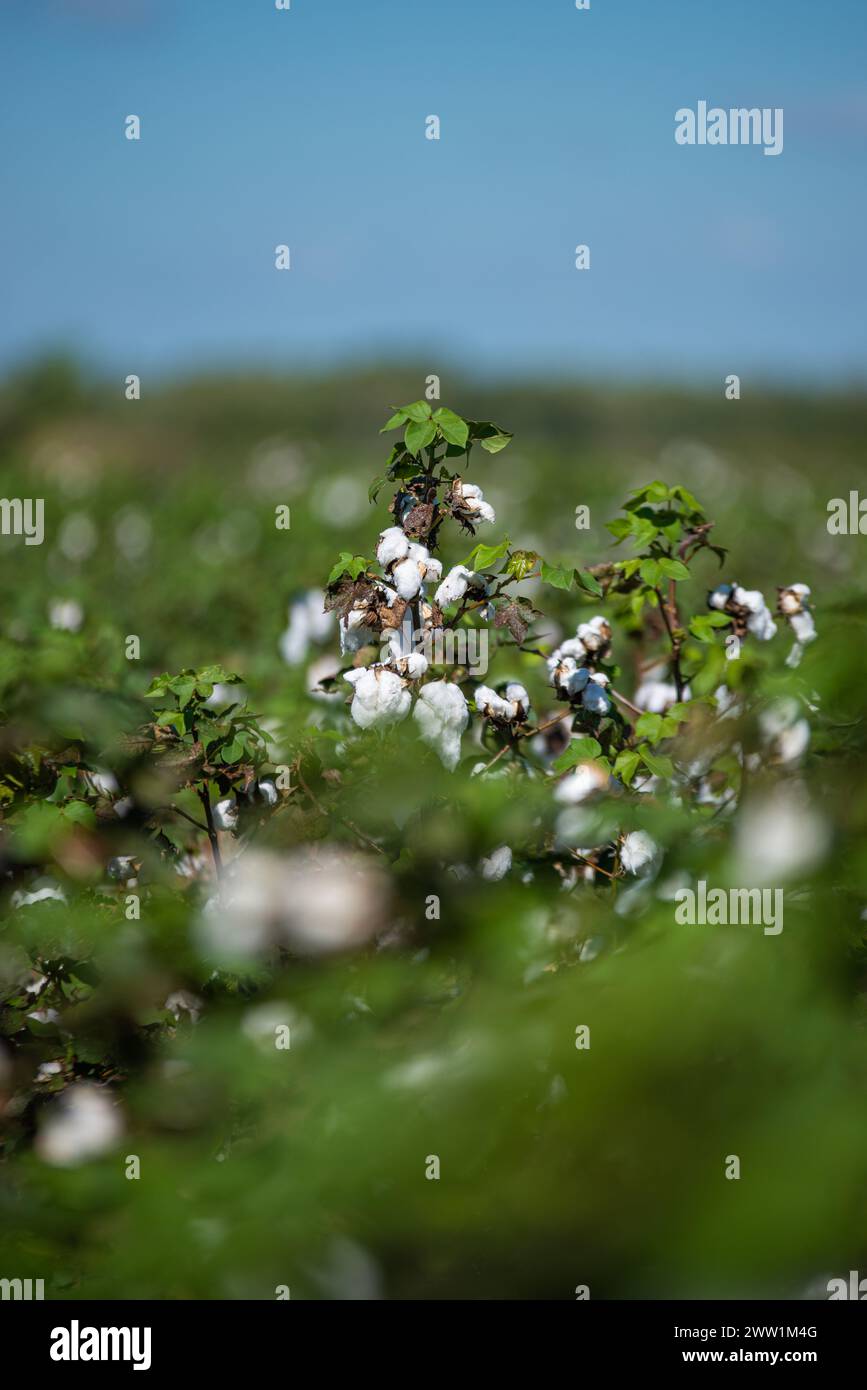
[{"x": 557, "y": 127}]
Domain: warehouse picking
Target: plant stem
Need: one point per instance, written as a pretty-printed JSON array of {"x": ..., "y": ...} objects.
[
  {"x": 670, "y": 615},
  {"x": 212, "y": 831}
]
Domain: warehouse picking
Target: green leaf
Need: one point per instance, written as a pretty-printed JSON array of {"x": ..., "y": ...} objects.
[
  {"x": 687, "y": 499},
  {"x": 703, "y": 624},
  {"x": 419, "y": 433},
  {"x": 353, "y": 565},
  {"x": 626, "y": 764},
  {"x": 649, "y": 571},
  {"x": 484, "y": 555},
  {"x": 171, "y": 718},
  {"x": 373, "y": 490},
  {"x": 660, "y": 766},
  {"x": 674, "y": 569},
  {"x": 418, "y": 411},
  {"x": 579, "y": 751},
  {"x": 521, "y": 563},
  {"x": 490, "y": 436},
  {"x": 557, "y": 576},
  {"x": 233, "y": 751},
  {"x": 588, "y": 582},
  {"x": 649, "y": 726},
  {"x": 398, "y": 418},
  {"x": 452, "y": 428}
]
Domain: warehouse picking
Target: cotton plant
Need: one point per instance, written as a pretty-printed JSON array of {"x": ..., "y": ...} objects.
[{"x": 619, "y": 741}]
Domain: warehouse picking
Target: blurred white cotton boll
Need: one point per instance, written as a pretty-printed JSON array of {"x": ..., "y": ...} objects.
[
  {"x": 638, "y": 852},
  {"x": 77, "y": 536},
  {"x": 308, "y": 624},
  {"x": 183, "y": 1002},
  {"x": 226, "y": 814},
  {"x": 264, "y": 1024},
  {"x": 497, "y": 864},
  {"x": 442, "y": 715},
  {"x": 132, "y": 533},
  {"x": 323, "y": 669},
  {"x": 315, "y": 901},
  {"x": 224, "y": 694},
  {"x": 65, "y": 614},
  {"x": 340, "y": 501},
  {"x": 81, "y": 1124},
  {"x": 779, "y": 834},
  {"x": 587, "y": 778},
  {"x": 44, "y": 890}
]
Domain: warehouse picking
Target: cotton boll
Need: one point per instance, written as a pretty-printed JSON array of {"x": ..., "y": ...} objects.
[
  {"x": 122, "y": 868},
  {"x": 586, "y": 779},
  {"x": 656, "y": 696},
  {"x": 762, "y": 625},
  {"x": 454, "y": 586},
  {"x": 416, "y": 665},
  {"x": 65, "y": 614},
  {"x": 719, "y": 597},
  {"x": 638, "y": 852},
  {"x": 381, "y": 697},
  {"x": 442, "y": 715},
  {"x": 593, "y": 696},
  {"x": 308, "y": 623},
  {"x": 595, "y": 635},
  {"x": 81, "y": 1124},
  {"x": 519, "y": 700},
  {"x": 407, "y": 579},
  {"x": 803, "y": 626},
  {"x": 44, "y": 890},
  {"x": 497, "y": 864},
  {"x": 324, "y": 668},
  {"x": 469, "y": 504},
  {"x": 268, "y": 792},
  {"x": 183, "y": 1002},
  {"x": 315, "y": 901},
  {"x": 392, "y": 545},
  {"x": 779, "y": 834},
  {"x": 226, "y": 814},
  {"x": 354, "y": 630},
  {"x": 102, "y": 782}
]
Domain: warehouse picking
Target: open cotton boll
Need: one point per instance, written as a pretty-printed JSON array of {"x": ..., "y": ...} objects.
[
  {"x": 656, "y": 696},
  {"x": 586, "y": 779},
  {"x": 719, "y": 597},
  {"x": 65, "y": 614},
  {"x": 81, "y": 1124},
  {"x": 779, "y": 833},
  {"x": 468, "y": 502},
  {"x": 392, "y": 545},
  {"x": 760, "y": 622},
  {"x": 226, "y": 814},
  {"x": 518, "y": 699},
  {"x": 380, "y": 697},
  {"x": 44, "y": 890},
  {"x": 595, "y": 635},
  {"x": 454, "y": 586},
  {"x": 638, "y": 852},
  {"x": 494, "y": 706},
  {"x": 354, "y": 630},
  {"x": 407, "y": 579},
  {"x": 308, "y": 622},
  {"x": 497, "y": 864},
  {"x": 442, "y": 715}
]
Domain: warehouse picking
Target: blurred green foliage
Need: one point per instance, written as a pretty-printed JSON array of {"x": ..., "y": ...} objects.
[{"x": 457, "y": 1037}]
